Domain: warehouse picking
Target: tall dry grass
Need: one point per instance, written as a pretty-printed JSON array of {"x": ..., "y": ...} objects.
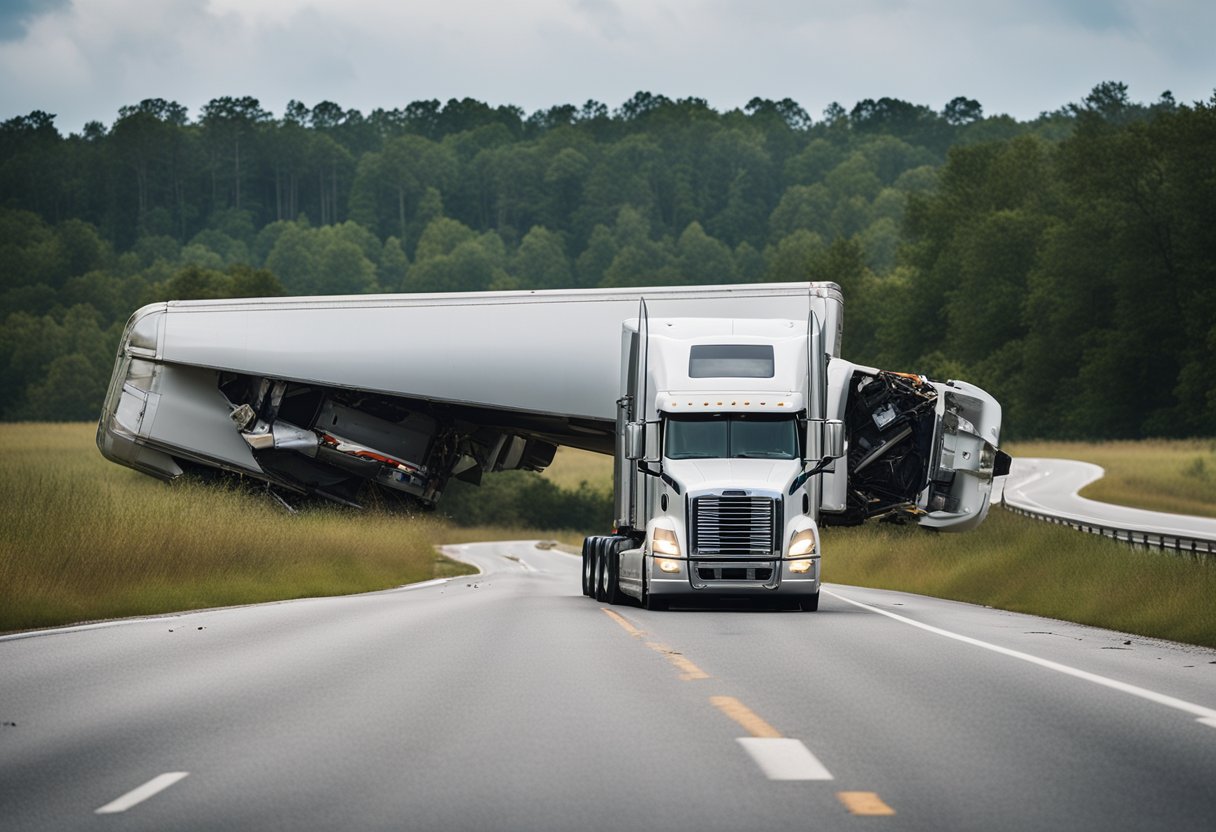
[
  {"x": 83, "y": 539},
  {"x": 571, "y": 467},
  {"x": 1020, "y": 564},
  {"x": 1175, "y": 475}
]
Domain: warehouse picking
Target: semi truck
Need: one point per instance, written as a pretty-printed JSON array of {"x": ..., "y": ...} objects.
[{"x": 736, "y": 428}]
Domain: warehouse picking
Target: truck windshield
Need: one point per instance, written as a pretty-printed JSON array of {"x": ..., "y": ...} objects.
[{"x": 732, "y": 436}]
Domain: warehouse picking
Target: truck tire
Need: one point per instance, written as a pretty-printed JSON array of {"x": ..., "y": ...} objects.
[
  {"x": 588, "y": 568},
  {"x": 649, "y": 602},
  {"x": 612, "y": 568},
  {"x": 809, "y": 603},
  {"x": 599, "y": 556}
]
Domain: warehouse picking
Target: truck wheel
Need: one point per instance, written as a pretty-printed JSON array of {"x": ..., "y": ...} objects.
[
  {"x": 649, "y": 602},
  {"x": 599, "y": 555},
  {"x": 810, "y": 603},
  {"x": 612, "y": 568},
  {"x": 588, "y": 567}
]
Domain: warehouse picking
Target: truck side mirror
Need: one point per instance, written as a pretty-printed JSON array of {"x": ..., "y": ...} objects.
[
  {"x": 833, "y": 438},
  {"x": 635, "y": 440},
  {"x": 824, "y": 443},
  {"x": 824, "y": 440}
]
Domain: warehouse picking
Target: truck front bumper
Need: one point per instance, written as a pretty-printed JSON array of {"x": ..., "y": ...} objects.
[{"x": 722, "y": 577}]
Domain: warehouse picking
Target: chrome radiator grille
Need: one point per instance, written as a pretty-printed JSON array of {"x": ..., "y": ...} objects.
[{"x": 734, "y": 526}]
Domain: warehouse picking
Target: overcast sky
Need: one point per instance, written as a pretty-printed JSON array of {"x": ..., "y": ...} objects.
[{"x": 83, "y": 59}]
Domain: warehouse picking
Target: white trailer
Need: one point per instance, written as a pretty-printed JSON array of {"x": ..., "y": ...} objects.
[{"x": 324, "y": 395}]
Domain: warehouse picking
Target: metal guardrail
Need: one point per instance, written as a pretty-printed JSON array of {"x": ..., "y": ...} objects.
[{"x": 1184, "y": 544}]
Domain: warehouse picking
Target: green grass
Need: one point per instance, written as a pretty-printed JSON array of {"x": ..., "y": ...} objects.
[
  {"x": 1025, "y": 565},
  {"x": 83, "y": 539},
  {"x": 1161, "y": 475}
]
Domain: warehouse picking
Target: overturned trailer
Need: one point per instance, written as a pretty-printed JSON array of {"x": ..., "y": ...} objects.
[{"x": 325, "y": 395}]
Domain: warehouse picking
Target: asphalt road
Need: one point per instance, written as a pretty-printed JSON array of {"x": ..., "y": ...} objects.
[
  {"x": 511, "y": 702},
  {"x": 1050, "y": 486}
]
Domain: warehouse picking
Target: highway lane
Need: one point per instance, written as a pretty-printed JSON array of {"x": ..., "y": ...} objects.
[
  {"x": 1050, "y": 486},
  {"x": 509, "y": 701}
]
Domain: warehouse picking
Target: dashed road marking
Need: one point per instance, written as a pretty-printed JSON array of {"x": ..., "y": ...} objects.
[
  {"x": 745, "y": 716},
  {"x": 620, "y": 619},
  {"x": 781, "y": 758},
  {"x": 138, "y": 795},
  {"x": 864, "y": 803},
  {"x": 1207, "y": 716},
  {"x": 689, "y": 672}
]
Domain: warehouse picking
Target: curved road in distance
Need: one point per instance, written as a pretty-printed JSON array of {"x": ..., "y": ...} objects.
[
  {"x": 508, "y": 701},
  {"x": 1050, "y": 486}
]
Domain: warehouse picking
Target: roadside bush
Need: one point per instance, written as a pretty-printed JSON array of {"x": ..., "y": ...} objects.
[{"x": 523, "y": 498}]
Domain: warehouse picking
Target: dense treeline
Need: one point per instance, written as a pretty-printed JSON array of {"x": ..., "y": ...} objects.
[{"x": 1062, "y": 262}]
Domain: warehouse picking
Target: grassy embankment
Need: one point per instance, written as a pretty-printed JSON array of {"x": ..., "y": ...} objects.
[
  {"x": 1029, "y": 566},
  {"x": 83, "y": 539},
  {"x": 1158, "y": 474}
]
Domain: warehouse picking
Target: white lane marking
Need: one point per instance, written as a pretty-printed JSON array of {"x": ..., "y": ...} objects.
[
  {"x": 1205, "y": 715},
  {"x": 423, "y": 585},
  {"x": 136, "y": 796},
  {"x": 171, "y": 617},
  {"x": 784, "y": 758},
  {"x": 80, "y": 628}
]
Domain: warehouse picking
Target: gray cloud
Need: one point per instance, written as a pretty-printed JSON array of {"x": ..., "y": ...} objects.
[
  {"x": 88, "y": 59},
  {"x": 15, "y": 15}
]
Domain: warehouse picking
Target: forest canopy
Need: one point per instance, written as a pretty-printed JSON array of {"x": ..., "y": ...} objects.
[{"x": 1064, "y": 263}]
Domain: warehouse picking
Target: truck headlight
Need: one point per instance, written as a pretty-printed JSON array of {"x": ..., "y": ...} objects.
[
  {"x": 664, "y": 542},
  {"x": 801, "y": 567},
  {"x": 803, "y": 543}
]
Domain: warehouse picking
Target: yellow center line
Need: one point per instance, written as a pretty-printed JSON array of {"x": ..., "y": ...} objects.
[
  {"x": 744, "y": 715},
  {"x": 689, "y": 671},
  {"x": 864, "y": 803},
  {"x": 619, "y": 619}
]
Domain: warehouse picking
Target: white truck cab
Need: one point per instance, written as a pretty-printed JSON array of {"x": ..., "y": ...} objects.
[{"x": 715, "y": 491}]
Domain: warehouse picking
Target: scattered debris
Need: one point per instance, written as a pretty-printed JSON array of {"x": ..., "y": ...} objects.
[
  {"x": 1050, "y": 633},
  {"x": 8, "y": 724},
  {"x": 1127, "y": 642}
]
